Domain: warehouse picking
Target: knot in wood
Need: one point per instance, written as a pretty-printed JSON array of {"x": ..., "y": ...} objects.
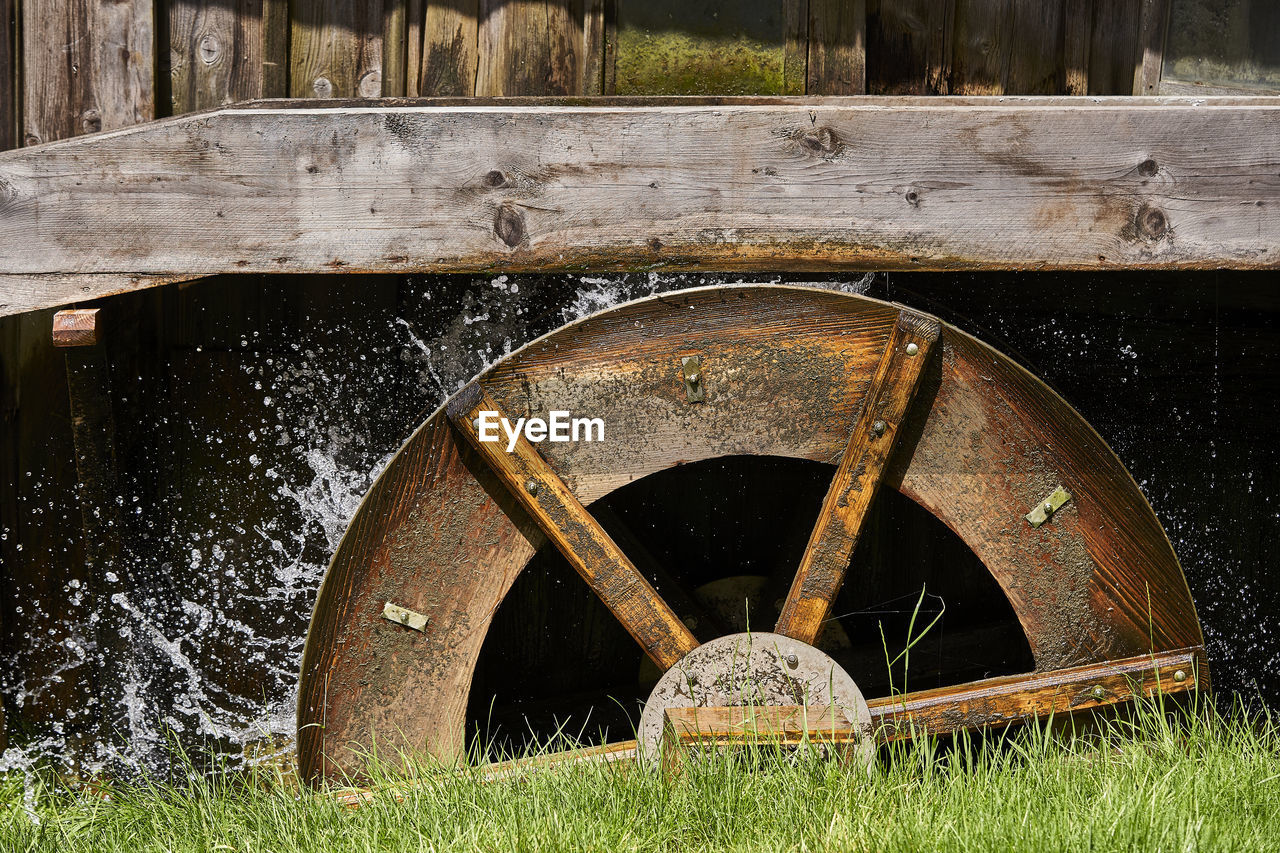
[
  {"x": 370, "y": 85},
  {"x": 508, "y": 224},
  {"x": 821, "y": 141},
  {"x": 322, "y": 87},
  {"x": 1148, "y": 167},
  {"x": 1151, "y": 223},
  {"x": 494, "y": 179},
  {"x": 90, "y": 121},
  {"x": 210, "y": 48}
]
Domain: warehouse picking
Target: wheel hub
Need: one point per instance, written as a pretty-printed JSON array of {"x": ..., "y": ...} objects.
[{"x": 752, "y": 669}]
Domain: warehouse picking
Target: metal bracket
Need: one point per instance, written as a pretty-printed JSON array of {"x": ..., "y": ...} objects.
[
  {"x": 695, "y": 391},
  {"x": 1045, "y": 510},
  {"x": 404, "y": 616}
]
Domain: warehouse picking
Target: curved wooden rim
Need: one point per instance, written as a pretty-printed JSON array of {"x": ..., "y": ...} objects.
[{"x": 441, "y": 534}]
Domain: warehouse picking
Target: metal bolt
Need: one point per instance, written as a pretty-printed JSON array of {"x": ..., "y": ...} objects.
[
  {"x": 1048, "y": 508},
  {"x": 912, "y": 349},
  {"x": 1179, "y": 676},
  {"x": 476, "y": 424},
  {"x": 1099, "y": 692},
  {"x": 792, "y": 661},
  {"x": 533, "y": 487},
  {"x": 879, "y": 427},
  {"x": 693, "y": 378}
]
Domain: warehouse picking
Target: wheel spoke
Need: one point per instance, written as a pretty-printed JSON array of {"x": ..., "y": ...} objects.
[
  {"x": 844, "y": 510},
  {"x": 995, "y": 702},
  {"x": 696, "y": 618},
  {"x": 576, "y": 535}
]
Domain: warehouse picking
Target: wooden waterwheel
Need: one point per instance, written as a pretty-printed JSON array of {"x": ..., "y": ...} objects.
[{"x": 771, "y": 378}]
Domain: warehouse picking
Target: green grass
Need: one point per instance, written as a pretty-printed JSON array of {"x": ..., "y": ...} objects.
[{"x": 1207, "y": 781}]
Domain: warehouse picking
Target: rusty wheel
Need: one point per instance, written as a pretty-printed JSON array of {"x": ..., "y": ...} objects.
[{"x": 890, "y": 397}]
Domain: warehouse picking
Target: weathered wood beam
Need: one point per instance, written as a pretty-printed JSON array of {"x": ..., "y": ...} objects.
[
  {"x": 996, "y": 702},
  {"x": 857, "y": 479},
  {"x": 800, "y": 185},
  {"x": 575, "y": 534}
]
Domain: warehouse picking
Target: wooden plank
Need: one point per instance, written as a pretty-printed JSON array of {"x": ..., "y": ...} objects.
[
  {"x": 98, "y": 490},
  {"x": 837, "y": 47},
  {"x": 88, "y": 65},
  {"x": 222, "y": 52},
  {"x": 1004, "y": 47},
  {"x": 795, "y": 46},
  {"x": 909, "y": 46},
  {"x": 1152, "y": 27},
  {"x": 1077, "y": 29},
  {"x": 1113, "y": 48},
  {"x": 415, "y": 17},
  {"x": 47, "y": 291},
  {"x": 76, "y": 328},
  {"x": 595, "y": 51},
  {"x": 395, "y": 46},
  {"x": 532, "y": 47},
  {"x": 990, "y": 703},
  {"x": 335, "y": 49},
  {"x": 997, "y": 702},
  {"x": 784, "y": 725},
  {"x": 894, "y": 388},
  {"x": 578, "y": 536},
  {"x": 818, "y": 185},
  {"x": 8, "y": 88},
  {"x": 275, "y": 48},
  {"x": 450, "y": 45}
]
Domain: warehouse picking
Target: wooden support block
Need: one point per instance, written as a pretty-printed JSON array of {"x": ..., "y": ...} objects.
[
  {"x": 784, "y": 725},
  {"x": 77, "y": 327}
]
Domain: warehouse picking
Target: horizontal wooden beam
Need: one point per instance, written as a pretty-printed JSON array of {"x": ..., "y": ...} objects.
[
  {"x": 996, "y": 702},
  {"x": 856, "y": 183}
]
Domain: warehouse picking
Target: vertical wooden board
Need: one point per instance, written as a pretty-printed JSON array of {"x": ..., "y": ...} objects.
[
  {"x": 909, "y": 46},
  {"x": 1113, "y": 48},
  {"x": 1007, "y": 47},
  {"x": 837, "y": 47},
  {"x": 982, "y": 45},
  {"x": 88, "y": 65},
  {"x": 394, "y": 47},
  {"x": 593, "y": 47},
  {"x": 1036, "y": 60},
  {"x": 795, "y": 48},
  {"x": 44, "y": 610},
  {"x": 413, "y": 20},
  {"x": 335, "y": 49},
  {"x": 531, "y": 47},
  {"x": 216, "y": 52},
  {"x": 1153, "y": 25},
  {"x": 449, "y": 49},
  {"x": 1077, "y": 28},
  {"x": 8, "y": 83}
]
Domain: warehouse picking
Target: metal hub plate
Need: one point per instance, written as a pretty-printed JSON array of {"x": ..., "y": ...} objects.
[{"x": 751, "y": 669}]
